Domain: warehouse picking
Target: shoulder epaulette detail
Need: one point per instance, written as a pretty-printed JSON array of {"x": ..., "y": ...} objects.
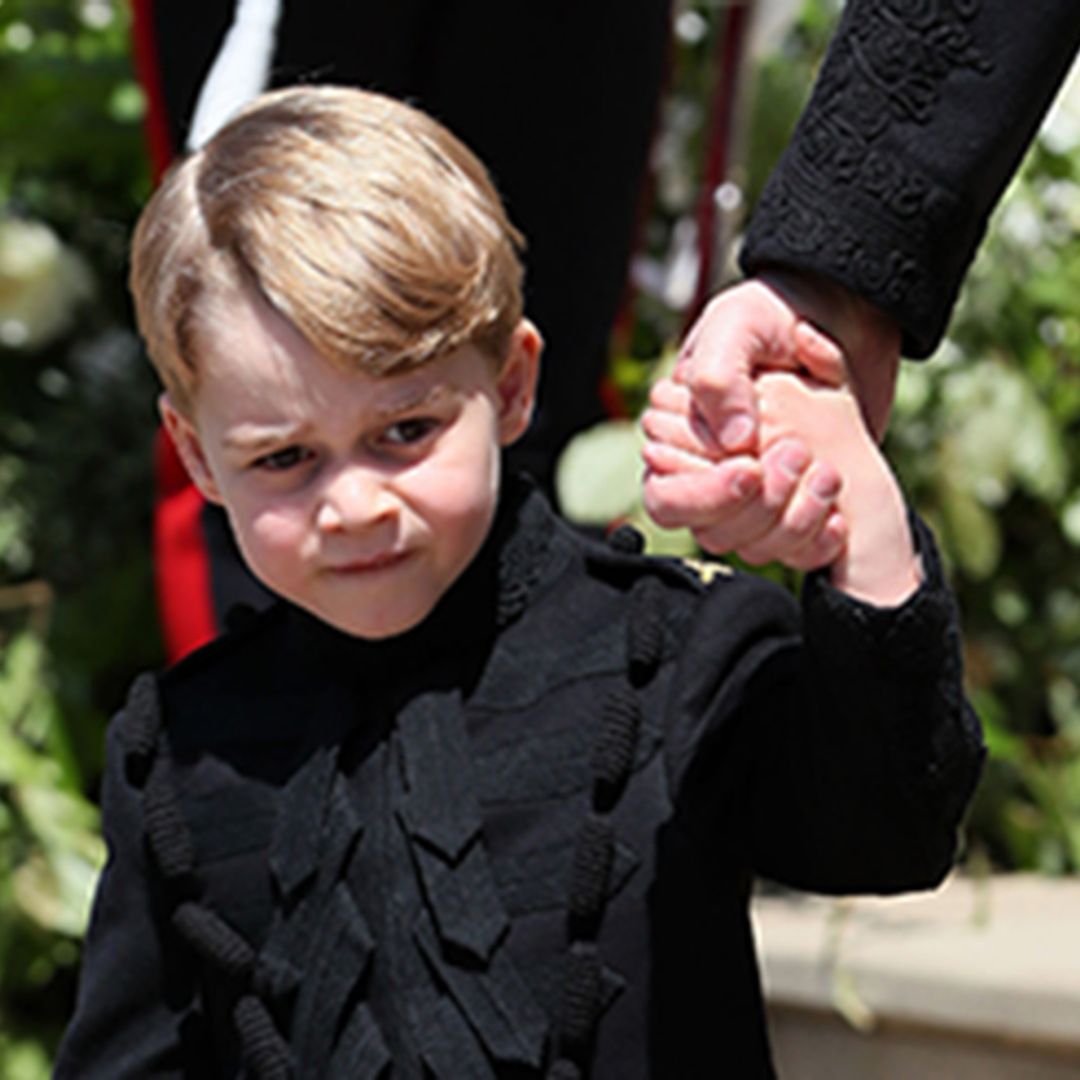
[{"x": 707, "y": 570}]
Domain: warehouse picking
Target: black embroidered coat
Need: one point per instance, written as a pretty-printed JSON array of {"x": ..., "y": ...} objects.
[
  {"x": 918, "y": 120},
  {"x": 516, "y": 841}
]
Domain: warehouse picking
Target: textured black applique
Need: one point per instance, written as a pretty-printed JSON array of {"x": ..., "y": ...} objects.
[
  {"x": 213, "y": 939},
  {"x": 448, "y": 1047},
  {"x": 496, "y": 1001},
  {"x": 464, "y": 901},
  {"x": 463, "y": 923},
  {"x": 439, "y": 809},
  {"x": 263, "y": 1049},
  {"x": 338, "y": 962},
  {"x": 318, "y": 924},
  {"x": 523, "y": 536},
  {"x": 361, "y": 1051},
  {"x": 301, "y": 1004},
  {"x": 294, "y": 852},
  {"x": 888, "y": 67}
]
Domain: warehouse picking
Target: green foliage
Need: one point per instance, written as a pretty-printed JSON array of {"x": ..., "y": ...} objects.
[
  {"x": 70, "y": 152},
  {"x": 49, "y": 846},
  {"x": 76, "y": 422},
  {"x": 987, "y": 437}
]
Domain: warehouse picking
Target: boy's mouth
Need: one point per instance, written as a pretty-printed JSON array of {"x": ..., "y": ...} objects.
[{"x": 382, "y": 561}]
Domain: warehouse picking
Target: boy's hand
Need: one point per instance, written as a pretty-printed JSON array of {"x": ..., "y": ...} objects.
[{"x": 878, "y": 563}]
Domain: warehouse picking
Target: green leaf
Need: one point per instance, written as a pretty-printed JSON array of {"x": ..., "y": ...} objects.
[{"x": 599, "y": 473}]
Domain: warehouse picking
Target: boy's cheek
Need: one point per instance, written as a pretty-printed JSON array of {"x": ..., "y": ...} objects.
[{"x": 269, "y": 537}]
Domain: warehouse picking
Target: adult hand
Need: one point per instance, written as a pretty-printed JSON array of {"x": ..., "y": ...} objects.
[
  {"x": 783, "y": 321},
  {"x": 786, "y": 320}
]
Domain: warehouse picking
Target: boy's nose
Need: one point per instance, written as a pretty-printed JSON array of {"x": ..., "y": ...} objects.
[{"x": 353, "y": 499}]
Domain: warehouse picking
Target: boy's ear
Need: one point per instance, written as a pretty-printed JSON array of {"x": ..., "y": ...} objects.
[
  {"x": 517, "y": 382},
  {"x": 189, "y": 446}
]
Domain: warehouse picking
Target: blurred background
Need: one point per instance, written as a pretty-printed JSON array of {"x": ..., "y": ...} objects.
[{"x": 986, "y": 437}]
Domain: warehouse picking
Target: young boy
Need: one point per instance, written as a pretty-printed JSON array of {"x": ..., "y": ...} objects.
[{"x": 477, "y": 797}]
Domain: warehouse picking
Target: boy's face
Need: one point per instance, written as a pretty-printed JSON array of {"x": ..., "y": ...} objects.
[{"x": 360, "y": 499}]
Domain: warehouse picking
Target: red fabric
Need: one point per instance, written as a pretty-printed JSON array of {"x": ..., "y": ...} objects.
[
  {"x": 181, "y": 564},
  {"x": 156, "y": 124}
]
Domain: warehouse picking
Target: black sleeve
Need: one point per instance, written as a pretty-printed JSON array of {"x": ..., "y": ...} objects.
[
  {"x": 133, "y": 1016},
  {"x": 832, "y": 751},
  {"x": 921, "y": 114}
]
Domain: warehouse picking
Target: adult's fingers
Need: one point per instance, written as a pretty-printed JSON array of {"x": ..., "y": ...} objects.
[
  {"x": 741, "y": 330},
  {"x": 672, "y": 419},
  {"x": 867, "y": 337},
  {"x": 818, "y": 353},
  {"x": 662, "y": 459},
  {"x": 695, "y": 497},
  {"x": 730, "y": 506}
]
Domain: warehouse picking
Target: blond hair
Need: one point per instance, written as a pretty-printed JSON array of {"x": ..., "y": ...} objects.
[{"x": 373, "y": 230}]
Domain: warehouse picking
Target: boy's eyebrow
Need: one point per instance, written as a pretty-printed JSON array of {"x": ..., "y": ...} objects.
[
  {"x": 411, "y": 398},
  {"x": 255, "y": 438},
  {"x": 252, "y": 438}
]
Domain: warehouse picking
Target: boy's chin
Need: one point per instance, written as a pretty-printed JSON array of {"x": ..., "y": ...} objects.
[
  {"x": 377, "y": 621},
  {"x": 377, "y": 626}
]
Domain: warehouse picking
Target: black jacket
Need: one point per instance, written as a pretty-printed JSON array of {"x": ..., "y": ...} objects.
[
  {"x": 518, "y": 838},
  {"x": 918, "y": 120}
]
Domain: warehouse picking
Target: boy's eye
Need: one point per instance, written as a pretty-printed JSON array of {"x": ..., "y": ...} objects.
[
  {"x": 407, "y": 432},
  {"x": 281, "y": 460}
]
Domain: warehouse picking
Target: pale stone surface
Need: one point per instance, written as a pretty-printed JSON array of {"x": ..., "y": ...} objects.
[
  {"x": 820, "y": 1046},
  {"x": 971, "y": 974}
]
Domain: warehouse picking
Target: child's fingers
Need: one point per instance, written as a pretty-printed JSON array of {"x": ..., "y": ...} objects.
[
  {"x": 782, "y": 466},
  {"x": 729, "y": 524},
  {"x": 808, "y": 532},
  {"x": 827, "y": 546}
]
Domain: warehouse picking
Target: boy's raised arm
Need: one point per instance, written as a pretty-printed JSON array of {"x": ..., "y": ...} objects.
[{"x": 834, "y": 751}]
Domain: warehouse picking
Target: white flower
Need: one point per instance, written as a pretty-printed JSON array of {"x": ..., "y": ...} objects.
[{"x": 42, "y": 282}]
